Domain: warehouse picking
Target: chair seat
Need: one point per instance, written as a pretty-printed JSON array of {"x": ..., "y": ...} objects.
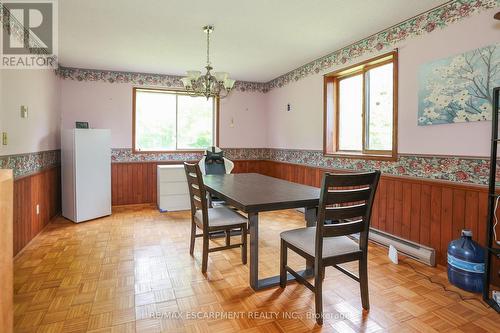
[
  {"x": 220, "y": 217},
  {"x": 304, "y": 239}
]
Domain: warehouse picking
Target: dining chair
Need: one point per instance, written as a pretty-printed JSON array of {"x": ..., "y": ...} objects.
[
  {"x": 346, "y": 199},
  {"x": 211, "y": 219},
  {"x": 213, "y": 162}
]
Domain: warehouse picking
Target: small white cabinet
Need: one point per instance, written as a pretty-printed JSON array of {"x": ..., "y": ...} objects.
[{"x": 172, "y": 188}]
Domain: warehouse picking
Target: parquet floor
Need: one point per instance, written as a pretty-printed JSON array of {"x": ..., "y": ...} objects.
[{"x": 132, "y": 272}]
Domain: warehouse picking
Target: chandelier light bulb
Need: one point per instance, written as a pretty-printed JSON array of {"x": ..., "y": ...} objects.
[{"x": 216, "y": 85}]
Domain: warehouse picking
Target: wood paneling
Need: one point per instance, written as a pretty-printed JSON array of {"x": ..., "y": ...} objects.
[
  {"x": 429, "y": 212},
  {"x": 44, "y": 189},
  {"x": 135, "y": 183}
]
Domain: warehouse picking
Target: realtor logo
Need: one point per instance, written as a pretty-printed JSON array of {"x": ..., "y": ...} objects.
[{"x": 29, "y": 34}]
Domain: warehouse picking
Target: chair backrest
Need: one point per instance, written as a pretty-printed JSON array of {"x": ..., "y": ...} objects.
[
  {"x": 346, "y": 199},
  {"x": 214, "y": 162},
  {"x": 197, "y": 193}
]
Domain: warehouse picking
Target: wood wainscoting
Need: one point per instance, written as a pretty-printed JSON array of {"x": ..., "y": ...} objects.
[
  {"x": 428, "y": 212},
  {"x": 42, "y": 188},
  {"x": 135, "y": 183}
]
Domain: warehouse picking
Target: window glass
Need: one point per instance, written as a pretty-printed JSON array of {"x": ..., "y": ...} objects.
[
  {"x": 155, "y": 120},
  {"x": 379, "y": 84},
  {"x": 166, "y": 121},
  {"x": 351, "y": 113},
  {"x": 359, "y": 109},
  {"x": 195, "y": 122}
]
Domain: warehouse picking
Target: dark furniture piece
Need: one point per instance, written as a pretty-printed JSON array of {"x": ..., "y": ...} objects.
[
  {"x": 346, "y": 199},
  {"x": 253, "y": 193},
  {"x": 211, "y": 219},
  {"x": 493, "y": 251}
]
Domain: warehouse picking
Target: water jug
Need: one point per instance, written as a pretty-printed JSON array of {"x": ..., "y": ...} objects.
[{"x": 466, "y": 263}]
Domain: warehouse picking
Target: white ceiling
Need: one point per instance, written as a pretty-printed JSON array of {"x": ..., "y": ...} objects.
[{"x": 254, "y": 40}]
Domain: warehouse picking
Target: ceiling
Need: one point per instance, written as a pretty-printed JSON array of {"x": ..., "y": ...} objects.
[{"x": 255, "y": 40}]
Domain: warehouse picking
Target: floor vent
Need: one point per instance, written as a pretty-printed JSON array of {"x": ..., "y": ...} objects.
[{"x": 414, "y": 250}]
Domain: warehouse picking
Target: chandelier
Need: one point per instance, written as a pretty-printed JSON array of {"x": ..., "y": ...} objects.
[{"x": 209, "y": 85}]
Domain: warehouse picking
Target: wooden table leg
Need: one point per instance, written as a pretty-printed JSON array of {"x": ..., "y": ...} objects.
[
  {"x": 310, "y": 215},
  {"x": 255, "y": 282},
  {"x": 253, "y": 225}
]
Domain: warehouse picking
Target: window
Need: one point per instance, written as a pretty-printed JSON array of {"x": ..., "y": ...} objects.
[
  {"x": 172, "y": 121},
  {"x": 361, "y": 109}
]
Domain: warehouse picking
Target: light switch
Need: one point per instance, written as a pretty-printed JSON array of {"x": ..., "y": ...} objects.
[
  {"x": 4, "y": 138},
  {"x": 24, "y": 111}
]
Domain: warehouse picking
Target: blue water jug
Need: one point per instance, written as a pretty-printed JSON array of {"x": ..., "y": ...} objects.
[{"x": 466, "y": 263}]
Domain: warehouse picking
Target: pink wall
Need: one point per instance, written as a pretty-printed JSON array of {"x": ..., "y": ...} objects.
[
  {"x": 109, "y": 105},
  {"x": 302, "y": 127},
  {"x": 250, "y": 119},
  {"x": 243, "y": 120},
  {"x": 450, "y": 139},
  {"x": 38, "y": 90},
  {"x": 103, "y": 105}
]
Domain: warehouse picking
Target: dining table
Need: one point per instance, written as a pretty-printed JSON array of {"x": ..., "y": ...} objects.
[{"x": 253, "y": 193}]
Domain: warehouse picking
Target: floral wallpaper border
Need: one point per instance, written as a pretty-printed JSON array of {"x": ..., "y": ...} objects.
[
  {"x": 163, "y": 80},
  {"x": 30, "y": 163},
  {"x": 439, "y": 17},
  {"x": 455, "y": 169},
  {"x": 125, "y": 155},
  {"x": 424, "y": 23}
]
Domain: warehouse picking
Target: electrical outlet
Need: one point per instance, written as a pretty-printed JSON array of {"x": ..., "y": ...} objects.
[
  {"x": 37, "y": 209},
  {"x": 4, "y": 138},
  {"x": 393, "y": 254},
  {"x": 288, "y": 107},
  {"x": 24, "y": 111}
]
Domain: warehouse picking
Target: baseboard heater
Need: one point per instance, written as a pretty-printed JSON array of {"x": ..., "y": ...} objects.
[
  {"x": 411, "y": 249},
  {"x": 424, "y": 254}
]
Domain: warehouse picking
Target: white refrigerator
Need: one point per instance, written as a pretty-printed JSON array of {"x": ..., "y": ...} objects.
[{"x": 86, "y": 173}]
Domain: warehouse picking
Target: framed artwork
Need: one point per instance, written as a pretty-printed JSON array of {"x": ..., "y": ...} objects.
[{"x": 459, "y": 88}]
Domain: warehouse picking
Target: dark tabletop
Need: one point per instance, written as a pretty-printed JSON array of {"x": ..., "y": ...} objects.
[{"x": 253, "y": 192}]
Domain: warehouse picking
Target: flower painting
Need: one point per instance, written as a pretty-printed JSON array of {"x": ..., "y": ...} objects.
[{"x": 459, "y": 88}]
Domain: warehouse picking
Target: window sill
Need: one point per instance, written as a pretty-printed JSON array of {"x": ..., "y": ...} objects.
[{"x": 361, "y": 156}]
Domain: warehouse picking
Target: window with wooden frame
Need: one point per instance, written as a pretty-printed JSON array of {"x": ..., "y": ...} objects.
[
  {"x": 173, "y": 121},
  {"x": 360, "y": 105}
]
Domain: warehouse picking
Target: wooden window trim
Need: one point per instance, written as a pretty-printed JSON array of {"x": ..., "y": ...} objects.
[
  {"x": 331, "y": 109},
  {"x": 185, "y": 151}
]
